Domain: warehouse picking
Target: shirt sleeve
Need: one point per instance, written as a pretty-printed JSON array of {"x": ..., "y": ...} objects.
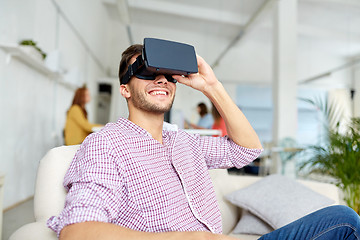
[
  {"x": 222, "y": 152},
  {"x": 95, "y": 184}
]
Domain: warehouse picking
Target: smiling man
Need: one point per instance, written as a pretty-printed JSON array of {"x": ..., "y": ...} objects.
[
  {"x": 148, "y": 99},
  {"x": 135, "y": 180}
]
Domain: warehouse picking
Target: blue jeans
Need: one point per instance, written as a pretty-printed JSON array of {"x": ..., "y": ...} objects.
[{"x": 331, "y": 223}]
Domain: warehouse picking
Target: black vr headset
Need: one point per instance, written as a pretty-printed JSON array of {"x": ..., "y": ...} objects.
[{"x": 162, "y": 57}]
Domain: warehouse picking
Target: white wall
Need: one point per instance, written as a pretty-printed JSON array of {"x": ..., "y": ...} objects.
[{"x": 33, "y": 105}]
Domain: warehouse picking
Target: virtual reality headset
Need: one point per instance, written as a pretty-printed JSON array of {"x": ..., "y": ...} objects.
[{"x": 162, "y": 57}]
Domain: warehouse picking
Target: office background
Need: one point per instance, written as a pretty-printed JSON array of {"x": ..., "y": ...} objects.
[{"x": 267, "y": 53}]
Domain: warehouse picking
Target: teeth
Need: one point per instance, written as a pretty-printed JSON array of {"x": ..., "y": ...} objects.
[{"x": 154, "y": 93}]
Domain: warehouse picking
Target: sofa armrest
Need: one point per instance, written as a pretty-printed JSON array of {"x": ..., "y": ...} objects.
[
  {"x": 34, "y": 231},
  {"x": 50, "y": 193}
]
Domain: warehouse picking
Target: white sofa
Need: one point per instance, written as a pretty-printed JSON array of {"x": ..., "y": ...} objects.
[{"x": 50, "y": 195}]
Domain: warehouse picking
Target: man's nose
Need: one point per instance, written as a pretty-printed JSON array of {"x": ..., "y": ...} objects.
[{"x": 161, "y": 79}]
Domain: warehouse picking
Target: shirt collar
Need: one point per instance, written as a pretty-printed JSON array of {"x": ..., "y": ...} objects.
[{"x": 166, "y": 132}]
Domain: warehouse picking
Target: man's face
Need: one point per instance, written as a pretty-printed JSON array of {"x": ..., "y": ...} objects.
[{"x": 151, "y": 95}]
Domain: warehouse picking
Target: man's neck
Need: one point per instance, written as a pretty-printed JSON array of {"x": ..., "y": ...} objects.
[{"x": 151, "y": 122}]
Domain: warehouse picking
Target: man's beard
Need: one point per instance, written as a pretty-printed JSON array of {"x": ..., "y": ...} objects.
[{"x": 139, "y": 101}]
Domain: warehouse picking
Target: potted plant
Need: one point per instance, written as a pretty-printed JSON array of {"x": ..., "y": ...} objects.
[
  {"x": 339, "y": 157},
  {"x": 30, "y": 44}
]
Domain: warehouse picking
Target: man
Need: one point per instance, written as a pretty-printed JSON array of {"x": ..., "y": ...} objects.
[{"x": 134, "y": 180}]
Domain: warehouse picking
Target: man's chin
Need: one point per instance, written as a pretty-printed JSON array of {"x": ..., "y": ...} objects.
[
  {"x": 156, "y": 109},
  {"x": 161, "y": 110},
  {"x": 152, "y": 106}
]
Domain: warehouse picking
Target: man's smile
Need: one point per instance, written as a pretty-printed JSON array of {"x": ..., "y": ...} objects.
[
  {"x": 161, "y": 92},
  {"x": 154, "y": 93}
]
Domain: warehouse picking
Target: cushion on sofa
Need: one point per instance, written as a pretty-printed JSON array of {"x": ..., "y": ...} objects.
[
  {"x": 251, "y": 224},
  {"x": 277, "y": 200}
]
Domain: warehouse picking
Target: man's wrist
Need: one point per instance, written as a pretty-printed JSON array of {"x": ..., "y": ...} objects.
[{"x": 215, "y": 92}]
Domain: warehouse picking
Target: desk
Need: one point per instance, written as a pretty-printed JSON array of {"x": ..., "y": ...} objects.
[
  {"x": 286, "y": 149},
  {"x": 204, "y": 132},
  {"x": 2, "y": 177},
  {"x": 96, "y": 129}
]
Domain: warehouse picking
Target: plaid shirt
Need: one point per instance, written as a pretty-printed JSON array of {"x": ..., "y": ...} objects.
[{"x": 122, "y": 175}]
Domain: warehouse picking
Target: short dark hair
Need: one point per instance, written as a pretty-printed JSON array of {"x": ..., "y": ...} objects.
[
  {"x": 126, "y": 57},
  {"x": 203, "y": 109}
]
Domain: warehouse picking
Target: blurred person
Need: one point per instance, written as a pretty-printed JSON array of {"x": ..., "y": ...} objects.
[
  {"x": 219, "y": 123},
  {"x": 206, "y": 119},
  {"x": 77, "y": 126}
]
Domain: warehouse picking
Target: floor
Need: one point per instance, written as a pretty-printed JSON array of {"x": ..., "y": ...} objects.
[{"x": 17, "y": 217}]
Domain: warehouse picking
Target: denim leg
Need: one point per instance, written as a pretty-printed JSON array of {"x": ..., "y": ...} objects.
[{"x": 334, "y": 222}]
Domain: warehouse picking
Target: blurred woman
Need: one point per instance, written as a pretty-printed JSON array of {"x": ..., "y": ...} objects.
[
  {"x": 77, "y": 126},
  {"x": 219, "y": 123},
  {"x": 206, "y": 120}
]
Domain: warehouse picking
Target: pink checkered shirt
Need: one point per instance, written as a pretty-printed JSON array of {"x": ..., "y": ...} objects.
[{"x": 121, "y": 175}]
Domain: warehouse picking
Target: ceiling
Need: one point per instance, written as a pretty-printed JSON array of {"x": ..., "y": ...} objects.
[{"x": 235, "y": 36}]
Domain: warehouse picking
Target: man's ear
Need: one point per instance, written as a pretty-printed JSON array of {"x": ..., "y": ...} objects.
[{"x": 124, "y": 91}]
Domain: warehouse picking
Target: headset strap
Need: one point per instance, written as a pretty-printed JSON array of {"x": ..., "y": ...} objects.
[{"x": 132, "y": 69}]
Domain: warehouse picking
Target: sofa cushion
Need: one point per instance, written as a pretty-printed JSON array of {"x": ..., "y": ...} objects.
[
  {"x": 251, "y": 224},
  {"x": 278, "y": 200}
]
